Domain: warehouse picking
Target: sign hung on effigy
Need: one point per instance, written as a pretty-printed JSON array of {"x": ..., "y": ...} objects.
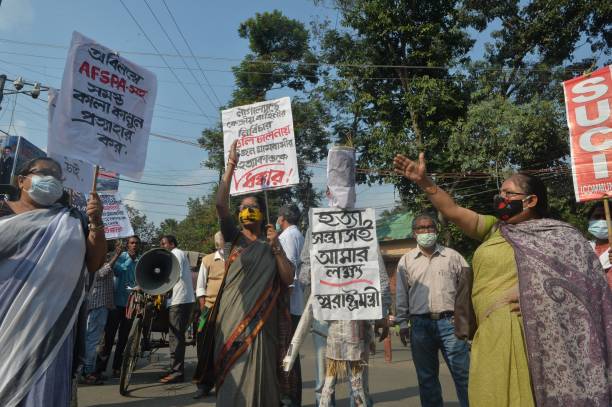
[
  {"x": 78, "y": 175},
  {"x": 344, "y": 265},
  {"x": 588, "y": 109},
  {"x": 115, "y": 216},
  {"x": 104, "y": 110},
  {"x": 266, "y": 144}
]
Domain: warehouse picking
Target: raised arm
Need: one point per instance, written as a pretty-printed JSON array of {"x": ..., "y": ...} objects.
[
  {"x": 224, "y": 186},
  {"x": 96, "y": 242},
  {"x": 416, "y": 171}
]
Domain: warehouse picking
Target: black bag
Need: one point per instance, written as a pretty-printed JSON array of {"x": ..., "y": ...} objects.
[{"x": 465, "y": 318}]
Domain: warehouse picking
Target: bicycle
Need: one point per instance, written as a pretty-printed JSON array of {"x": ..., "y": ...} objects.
[{"x": 144, "y": 309}]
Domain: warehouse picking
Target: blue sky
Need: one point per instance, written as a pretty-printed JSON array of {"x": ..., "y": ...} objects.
[{"x": 211, "y": 30}]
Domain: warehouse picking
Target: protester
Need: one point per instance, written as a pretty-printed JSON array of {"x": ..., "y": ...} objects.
[
  {"x": 426, "y": 282},
  {"x": 598, "y": 228},
  {"x": 6, "y": 165},
  {"x": 209, "y": 282},
  {"x": 556, "y": 347},
  {"x": 99, "y": 302},
  {"x": 347, "y": 343},
  {"x": 292, "y": 242},
  {"x": 252, "y": 328},
  {"x": 124, "y": 267},
  {"x": 180, "y": 305},
  {"x": 45, "y": 249}
]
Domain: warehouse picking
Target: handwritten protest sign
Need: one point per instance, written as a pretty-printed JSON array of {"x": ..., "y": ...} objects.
[
  {"x": 344, "y": 265},
  {"x": 266, "y": 145},
  {"x": 78, "y": 175},
  {"x": 104, "y": 110},
  {"x": 587, "y": 103},
  {"x": 115, "y": 216}
]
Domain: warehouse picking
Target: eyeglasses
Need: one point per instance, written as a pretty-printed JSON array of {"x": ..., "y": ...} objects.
[
  {"x": 508, "y": 194},
  {"x": 430, "y": 228},
  {"x": 46, "y": 172}
]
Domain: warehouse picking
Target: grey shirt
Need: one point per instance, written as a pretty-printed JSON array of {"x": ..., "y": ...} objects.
[{"x": 427, "y": 284}]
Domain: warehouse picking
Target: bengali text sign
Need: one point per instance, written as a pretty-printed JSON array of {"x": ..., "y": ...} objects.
[
  {"x": 587, "y": 103},
  {"x": 115, "y": 216},
  {"x": 266, "y": 143},
  {"x": 104, "y": 110},
  {"x": 344, "y": 265}
]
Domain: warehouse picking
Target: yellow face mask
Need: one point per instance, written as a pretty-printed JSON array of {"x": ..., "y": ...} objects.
[{"x": 250, "y": 215}]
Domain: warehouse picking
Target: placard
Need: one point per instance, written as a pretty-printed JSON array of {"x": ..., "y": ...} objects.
[
  {"x": 344, "y": 265},
  {"x": 115, "y": 216},
  {"x": 104, "y": 110},
  {"x": 78, "y": 175},
  {"x": 266, "y": 144},
  {"x": 587, "y": 103}
]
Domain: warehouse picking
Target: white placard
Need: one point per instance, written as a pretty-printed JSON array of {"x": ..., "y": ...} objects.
[
  {"x": 115, "y": 216},
  {"x": 266, "y": 145},
  {"x": 344, "y": 265},
  {"x": 78, "y": 175},
  {"x": 104, "y": 110}
]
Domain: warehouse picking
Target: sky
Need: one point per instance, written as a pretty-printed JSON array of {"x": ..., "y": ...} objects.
[
  {"x": 35, "y": 35},
  {"x": 210, "y": 28}
]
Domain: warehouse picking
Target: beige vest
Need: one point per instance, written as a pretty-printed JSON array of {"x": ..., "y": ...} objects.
[{"x": 216, "y": 270}]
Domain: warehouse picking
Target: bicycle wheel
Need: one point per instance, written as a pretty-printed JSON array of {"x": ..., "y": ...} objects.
[{"x": 130, "y": 356}]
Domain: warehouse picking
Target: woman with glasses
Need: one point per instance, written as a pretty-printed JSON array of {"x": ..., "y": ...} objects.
[
  {"x": 45, "y": 249},
  {"x": 543, "y": 308},
  {"x": 250, "y": 321}
]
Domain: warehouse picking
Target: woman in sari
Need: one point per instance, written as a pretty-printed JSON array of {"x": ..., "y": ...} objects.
[
  {"x": 44, "y": 251},
  {"x": 543, "y": 308},
  {"x": 253, "y": 325}
]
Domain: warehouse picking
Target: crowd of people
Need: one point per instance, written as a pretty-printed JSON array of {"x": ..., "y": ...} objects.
[{"x": 540, "y": 333}]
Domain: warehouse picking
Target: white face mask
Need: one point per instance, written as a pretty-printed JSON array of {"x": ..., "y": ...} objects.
[
  {"x": 45, "y": 190},
  {"x": 599, "y": 228},
  {"x": 427, "y": 240}
]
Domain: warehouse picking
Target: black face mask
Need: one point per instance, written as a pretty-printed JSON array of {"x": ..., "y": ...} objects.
[{"x": 505, "y": 208}]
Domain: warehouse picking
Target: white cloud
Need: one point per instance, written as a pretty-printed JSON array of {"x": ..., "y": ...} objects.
[
  {"x": 132, "y": 199},
  {"x": 16, "y": 14}
]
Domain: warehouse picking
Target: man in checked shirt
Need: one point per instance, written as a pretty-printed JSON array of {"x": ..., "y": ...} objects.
[
  {"x": 99, "y": 302},
  {"x": 427, "y": 279}
]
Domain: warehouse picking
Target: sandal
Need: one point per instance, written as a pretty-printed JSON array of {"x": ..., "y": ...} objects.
[
  {"x": 172, "y": 378},
  {"x": 91, "y": 379}
]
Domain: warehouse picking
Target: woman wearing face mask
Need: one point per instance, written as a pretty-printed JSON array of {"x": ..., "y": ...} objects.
[
  {"x": 252, "y": 324},
  {"x": 44, "y": 253},
  {"x": 598, "y": 228},
  {"x": 556, "y": 348}
]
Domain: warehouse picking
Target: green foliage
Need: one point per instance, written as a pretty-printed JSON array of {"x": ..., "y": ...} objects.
[
  {"x": 274, "y": 38},
  {"x": 404, "y": 83},
  {"x": 143, "y": 228}
]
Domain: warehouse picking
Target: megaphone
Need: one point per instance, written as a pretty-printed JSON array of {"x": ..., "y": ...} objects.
[{"x": 157, "y": 271}]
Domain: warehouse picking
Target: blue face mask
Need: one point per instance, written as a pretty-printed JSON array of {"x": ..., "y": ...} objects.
[
  {"x": 599, "y": 228},
  {"x": 45, "y": 190}
]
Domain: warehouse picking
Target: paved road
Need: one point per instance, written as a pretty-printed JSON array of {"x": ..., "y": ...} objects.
[{"x": 391, "y": 384}]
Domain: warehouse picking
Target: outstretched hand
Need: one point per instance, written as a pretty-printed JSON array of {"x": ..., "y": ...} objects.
[
  {"x": 415, "y": 171},
  {"x": 233, "y": 156}
]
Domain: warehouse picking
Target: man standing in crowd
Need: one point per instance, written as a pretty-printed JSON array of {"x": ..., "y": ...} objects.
[
  {"x": 99, "y": 304},
  {"x": 598, "y": 228},
  {"x": 6, "y": 165},
  {"x": 124, "y": 267},
  {"x": 292, "y": 242},
  {"x": 209, "y": 282},
  {"x": 427, "y": 279},
  {"x": 180, "y": 305}
]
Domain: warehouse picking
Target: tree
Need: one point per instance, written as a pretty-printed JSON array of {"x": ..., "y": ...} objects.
[
  {"x": 402, "y": 81},
  {"x": 280, "y": 58},
  {"x": 143, "y": 228}
]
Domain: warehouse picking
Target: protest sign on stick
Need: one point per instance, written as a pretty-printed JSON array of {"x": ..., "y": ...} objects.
[
  {"x": 266, "y": 144},
  {"x": 104, "y": 110},
  {"x": 115, "y": 216},
  {"x": 587, "y": 102},
  {"x": 345, "y": 265}
]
